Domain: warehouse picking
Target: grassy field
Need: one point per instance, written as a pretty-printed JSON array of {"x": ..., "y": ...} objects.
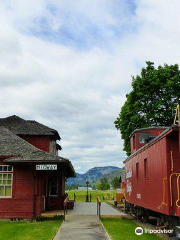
[
  {"x": 124, "y": 229},
  {"x": 29, "y": 230},
  {"x": 81, "y": 195}
]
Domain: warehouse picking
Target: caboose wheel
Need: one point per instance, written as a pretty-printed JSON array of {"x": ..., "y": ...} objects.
[{"x": 145, "y": 217}]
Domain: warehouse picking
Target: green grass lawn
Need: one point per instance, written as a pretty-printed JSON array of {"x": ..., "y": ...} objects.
[
  {"x": 29, "y": 230},
  {"x": 124, "y": 229},
  {"x": 81, "y": 195}
]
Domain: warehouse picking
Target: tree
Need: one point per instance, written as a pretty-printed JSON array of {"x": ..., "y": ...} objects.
[
  {"x": 103, "y": 185},
  {"x": 152, "y": 101},
  {"x": 115, "y": 182}
]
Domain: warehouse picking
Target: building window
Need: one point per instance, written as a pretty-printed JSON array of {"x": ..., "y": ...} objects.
[
  {"x": 143, "y": 137},
  {"x": 53, "y": 187},
  {"x": 137, "y": 170},
  {"x": 145, "y": 168},
  {"x": 134, "y": 146},
  {"x": 6, "y": 179}
]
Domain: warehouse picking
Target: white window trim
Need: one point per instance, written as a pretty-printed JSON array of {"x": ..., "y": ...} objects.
[{"x": 7, "y": 172}]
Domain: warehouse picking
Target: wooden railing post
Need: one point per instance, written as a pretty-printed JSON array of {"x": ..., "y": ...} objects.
[
  {"x": 65, "y": 208},
  {"x": 99, "y": 211},
  {"x": 99, "y": 208}
]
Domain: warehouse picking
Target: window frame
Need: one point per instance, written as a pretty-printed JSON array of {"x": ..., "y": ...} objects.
[
  {"x": 134, "y": 141},
  {"x": 50, "y": 181},
  {"x": 147, "y": 133},
  {"x": 146, "y": 173},
  {"x": 8, "y": 173},
  {"x": 137, "y": 170}
]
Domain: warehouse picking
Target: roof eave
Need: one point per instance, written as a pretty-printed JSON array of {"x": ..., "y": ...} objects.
[
  {"x": 72, "y": 172},
  {"x": 146, "y": 128}
]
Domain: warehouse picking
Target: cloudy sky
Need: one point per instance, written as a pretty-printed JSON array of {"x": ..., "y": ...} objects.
[{"x": 68, "y": 64}]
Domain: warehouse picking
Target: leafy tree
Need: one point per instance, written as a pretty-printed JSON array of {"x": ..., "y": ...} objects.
[
  {"x": 152, "y": 101},
  {"x": 103, "y": 185},
  {"x": 99, "y": 186},
  {"x": 94, "y": 187},
  {"x": 115, "y": 182}
]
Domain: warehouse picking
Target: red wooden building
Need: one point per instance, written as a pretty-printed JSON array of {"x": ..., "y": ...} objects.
[{"x": 32, "y": 175}]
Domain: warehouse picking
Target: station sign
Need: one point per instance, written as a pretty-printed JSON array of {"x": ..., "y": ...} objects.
[
  {"x": 46, "y": 167},
  {"x": 129, "y": 174},
  {"x": 118, "y": 190}
]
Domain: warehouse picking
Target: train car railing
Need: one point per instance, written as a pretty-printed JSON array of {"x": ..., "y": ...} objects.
[
  {"x": 170, "y": 181},
  {"x": 99, "y": 208},
  {"x": 164, "y": 192},
  {"x": 65, "y": 207},
  {"x": 177, "y": 205}
]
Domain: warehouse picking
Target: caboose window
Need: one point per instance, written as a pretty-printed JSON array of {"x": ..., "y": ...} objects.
[
  {"x": 137, "y": 170},
  {"x": 134, "y": 142},
  {"x": 6, "y": 178},
  {"x": 145, "y": 168},
  {"x": 143, "y": 137}
]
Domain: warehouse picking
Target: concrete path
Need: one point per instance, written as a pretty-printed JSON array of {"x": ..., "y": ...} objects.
[
  {"x": 90, "y": 208},
  {"x": 82, "y": 228},
  {"x": 82, "y": 223}
]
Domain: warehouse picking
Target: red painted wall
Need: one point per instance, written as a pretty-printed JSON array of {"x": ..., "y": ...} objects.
[
  {"x": 41, "y": 142},
  {"x": 21, "y": 203},
  {"x": 26, "y": 189},
  {"x": 148, "y": 192}
]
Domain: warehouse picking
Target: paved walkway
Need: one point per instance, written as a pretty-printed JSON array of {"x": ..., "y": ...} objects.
[
  {"x": 90, "y": 208},
  {"x": 82, "y": 223},
  {"x": 81, "y": 228}
]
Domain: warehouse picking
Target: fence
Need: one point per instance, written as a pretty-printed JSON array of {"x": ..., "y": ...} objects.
[{"x": 81, "y": 197}]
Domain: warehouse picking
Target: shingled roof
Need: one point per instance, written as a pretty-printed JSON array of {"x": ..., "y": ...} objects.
[
  {"x": 21, "y": 151},
  {"x": 20, "y": 126},
  {"x": 44, "y": 128}
]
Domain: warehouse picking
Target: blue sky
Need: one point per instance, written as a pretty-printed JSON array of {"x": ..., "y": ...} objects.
[
  {"x": 84, "y": 29},
  {"x": 68, "y": 64}
]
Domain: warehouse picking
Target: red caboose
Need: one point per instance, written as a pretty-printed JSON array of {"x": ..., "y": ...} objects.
[{"x": 153, "y": 172}]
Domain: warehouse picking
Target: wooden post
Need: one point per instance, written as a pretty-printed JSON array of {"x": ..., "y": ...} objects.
[
  {"x": 100, "y": 211},
  {"x": 64, "y": 214},
  {"x": 65, "y": 208},
  {"x": 99, "y": 208}
]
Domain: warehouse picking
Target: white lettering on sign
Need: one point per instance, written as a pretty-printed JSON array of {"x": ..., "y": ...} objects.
[
  {"x": 129, "y": 174},
  {"x": 46, "y": 167},
  {"x": 129, "y": 188},
  {"x": 138, "y": 196}
]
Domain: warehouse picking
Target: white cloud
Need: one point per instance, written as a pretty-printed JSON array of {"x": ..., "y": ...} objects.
[{"x": 78, "y": 87}]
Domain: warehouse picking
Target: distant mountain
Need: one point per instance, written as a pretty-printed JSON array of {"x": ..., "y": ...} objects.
[
  {"x": 114, "y": 174},
  {"x": 92, "y": 175}
]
